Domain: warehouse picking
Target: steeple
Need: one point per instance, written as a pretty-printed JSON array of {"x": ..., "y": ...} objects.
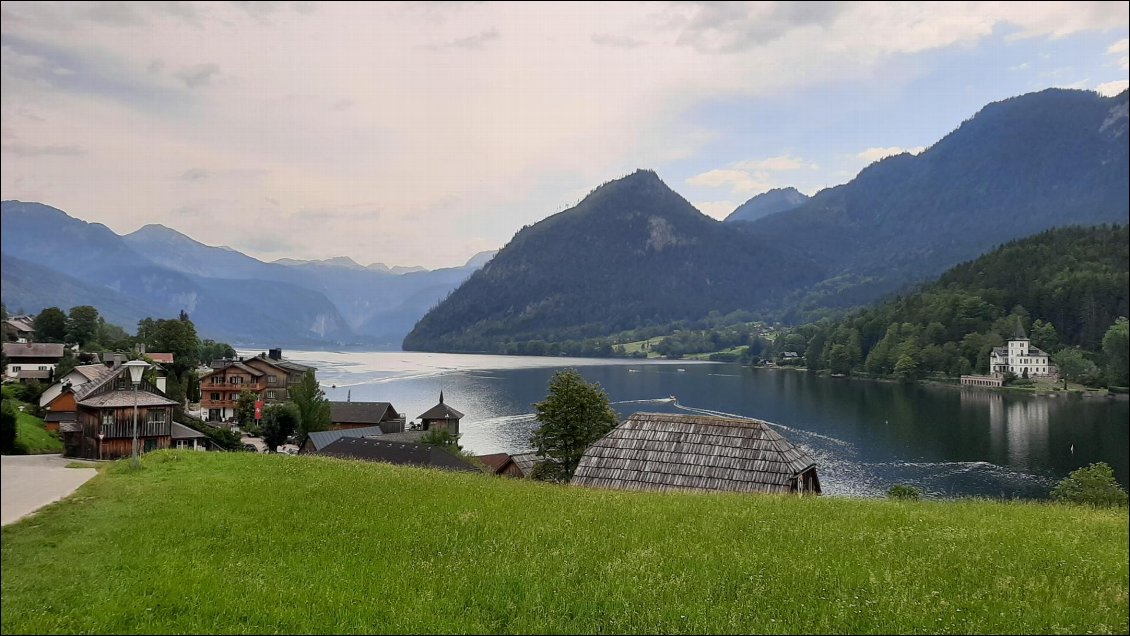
[
  {"x": 1018, "y": 333},
  {"x": 441, "y": 397}
]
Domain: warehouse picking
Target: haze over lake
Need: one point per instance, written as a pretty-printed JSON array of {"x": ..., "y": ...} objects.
[{"x": 865, "y": 435}]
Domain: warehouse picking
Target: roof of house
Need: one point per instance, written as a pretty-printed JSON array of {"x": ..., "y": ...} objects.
[
  {"x": 404, "y": 436},
  {"x": 24, "y": 324},
  {"x": 180, "y": 431},
  {"x": 33, "y": 349},
  {"x": 526, "y": 461},
  {"x": 114, "y": 399},
  {"x": 361, "y": 412},
  {"x": 441, "y": 411},
  {"x": 321, "y": 439},
  {"x": 495, "y": 461},
  {"x": 60, "y": 416},
  {"x": 162, "y": 358},
  {"x": 1032, "y": 352},
  {"x": 92, "y": 372},
  {"x": 657, "y": 451},
  {"x": 396, "y": 453}
]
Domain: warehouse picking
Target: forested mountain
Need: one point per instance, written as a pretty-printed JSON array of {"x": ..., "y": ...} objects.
[
  {"x": 1020, "y": 166},
  {"x": 766, "y": 203},
  {"x": 633, "y": 252},
  {"x": 53, "y": 259},
  {"x": 1065, "y": 287}
]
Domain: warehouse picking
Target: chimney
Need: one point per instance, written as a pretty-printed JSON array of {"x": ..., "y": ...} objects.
[
  {"x": 275, "y": 354},
  {"x": 141, "y": 348},
  {"x": 119, "y": 358}
]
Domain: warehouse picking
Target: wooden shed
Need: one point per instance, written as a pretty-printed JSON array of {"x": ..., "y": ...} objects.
[{"x": 659, "y": 451}]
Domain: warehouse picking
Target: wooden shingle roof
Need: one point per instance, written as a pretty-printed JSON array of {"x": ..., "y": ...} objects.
[{"x": 658, "y": 451}]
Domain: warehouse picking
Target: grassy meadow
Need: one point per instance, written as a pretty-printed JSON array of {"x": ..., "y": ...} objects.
[{"x": 243, "y": 543}]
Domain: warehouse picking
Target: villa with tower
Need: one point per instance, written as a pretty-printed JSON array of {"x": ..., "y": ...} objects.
[{"x": 1018, "y": 357}]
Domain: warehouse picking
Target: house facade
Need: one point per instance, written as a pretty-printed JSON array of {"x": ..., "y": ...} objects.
[
  {"x": 268, "y": 377},
  {"x": 31, "y": 360},
  {"x": 1020, "y": 358},
  {"x": 20, "y": 329},
  {"x": 441, "y": 417},
  {"x": 103, "y": 421},
  {"x": 345, "y": 415}
]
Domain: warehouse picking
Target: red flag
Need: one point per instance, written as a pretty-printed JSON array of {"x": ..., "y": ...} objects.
[{"x": 258, "y": 409}]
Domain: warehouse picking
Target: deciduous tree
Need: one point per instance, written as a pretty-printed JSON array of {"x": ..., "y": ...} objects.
[{"x": 573, "y": 415}]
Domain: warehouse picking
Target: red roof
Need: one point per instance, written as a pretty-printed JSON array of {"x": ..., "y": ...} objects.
[{"x": 163, "y": 358}]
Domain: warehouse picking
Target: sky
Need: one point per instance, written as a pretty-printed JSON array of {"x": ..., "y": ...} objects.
[{"x": 423, "y": 133}]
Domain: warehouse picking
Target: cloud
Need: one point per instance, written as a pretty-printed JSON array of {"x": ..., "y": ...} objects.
[
  {"x": 28, "y": 151},
  {"x": 716, "y": 209},
  {"x": 1110, "y": 89},
  {"x": 772, "y": 164},
  {"x": 617, "y": 41},
  {"x": 1120, "y": 46},
  {"x": 194, "y": 174},
  {"x": 872, "y": 155},
  {"x": 739, "y": 181},
  {"x": 198, "y": 75},
  {"x": 470, "y": 43}
]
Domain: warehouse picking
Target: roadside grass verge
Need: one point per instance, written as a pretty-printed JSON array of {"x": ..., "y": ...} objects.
[{"x": 245, "y": 543}]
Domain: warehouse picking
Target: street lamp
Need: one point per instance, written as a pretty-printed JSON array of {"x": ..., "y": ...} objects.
[{"x": 136, "y": 369}]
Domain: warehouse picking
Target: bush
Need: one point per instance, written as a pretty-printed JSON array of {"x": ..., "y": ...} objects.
[
  {"x": 904, "y": 492},
  {"x": 440, "y": 437},
  {"x": 1093, "y": 485}
]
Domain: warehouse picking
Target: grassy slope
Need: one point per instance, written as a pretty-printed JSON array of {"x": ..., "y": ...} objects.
[
  {"x": 262, "y": 544},
  {"x": 32, "y": 437}
]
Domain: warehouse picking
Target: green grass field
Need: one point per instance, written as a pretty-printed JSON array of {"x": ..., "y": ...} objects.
[
  {"x": 33, "y": 438},
  {"x": 245, "y": 543}
]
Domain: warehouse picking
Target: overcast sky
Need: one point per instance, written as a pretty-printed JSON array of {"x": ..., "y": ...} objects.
[{"x": 422, "y": 133}]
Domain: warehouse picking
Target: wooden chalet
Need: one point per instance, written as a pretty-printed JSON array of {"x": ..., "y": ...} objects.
[
  {"x": 441, "y": 417},
  {"x": 345, "y": 415},
  {"x": 103, "y": 423},
  {"x": 662, "y": 452},
  {"x": 518, "y": 466}
]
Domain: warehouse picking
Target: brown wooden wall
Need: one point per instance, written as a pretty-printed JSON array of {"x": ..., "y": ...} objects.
[
  {"x": 91, "y": 421},
  {"x": 63, "y": 403},
  {"x": 123, "y": 447}
]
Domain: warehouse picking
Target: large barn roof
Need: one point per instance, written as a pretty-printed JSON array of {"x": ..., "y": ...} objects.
[{"x": 658, "y": 451}]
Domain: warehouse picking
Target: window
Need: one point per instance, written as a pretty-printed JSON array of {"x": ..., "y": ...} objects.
[
  {"x": 214, "y": 396},
  {"x": 271, "y": 379},
  {"x": 107, "y": 418},
  {"x": 217, "y": 379},
  {"x": 157, "y": 416},
  {"x": 42, "y": 368},
  {"x": 270, "y": 395},
  {"x": 15, "y": 368}
]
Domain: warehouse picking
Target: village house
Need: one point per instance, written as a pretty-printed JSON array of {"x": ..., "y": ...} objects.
[
  {"x": 518, "y": 466},
  {"x": 317, "y": 440},
  {"x": 19, "y": 329},
  {"x": 664, "y": 452},
  {"x": 103, "y": 422},
  {"x": 269, "y": 376},
  {"x": 31, "y": 360},
  {"x": 364, "y": 415},
  {"x": 441, "y": 417}
]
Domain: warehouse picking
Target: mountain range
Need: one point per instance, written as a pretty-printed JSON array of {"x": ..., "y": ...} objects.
[
  {"x": 53, "y": 259},
  {"x": 634, "y": 253}
]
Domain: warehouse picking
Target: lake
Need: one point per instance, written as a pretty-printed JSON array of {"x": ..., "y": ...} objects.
[{"x": 865, "y": 435}]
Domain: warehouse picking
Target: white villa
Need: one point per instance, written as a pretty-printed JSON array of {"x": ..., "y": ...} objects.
[{"x": 1021, "y": 358}]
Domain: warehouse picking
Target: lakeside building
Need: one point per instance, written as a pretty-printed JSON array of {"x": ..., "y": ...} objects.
[
  {"x": 268, "y": 375},
  {"x": 1020, "y": 358}
]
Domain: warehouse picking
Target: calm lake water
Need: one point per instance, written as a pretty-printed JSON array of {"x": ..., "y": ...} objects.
[{"x": 864, "y": 435}]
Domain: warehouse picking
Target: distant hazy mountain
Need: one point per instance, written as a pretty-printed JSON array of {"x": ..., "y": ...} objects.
[
  {"x": 228, "y": 294},
  {"x": 766, "y": 203},
  {"x": 633, "y": 252},
  {"x": 242, "y": 310}
]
